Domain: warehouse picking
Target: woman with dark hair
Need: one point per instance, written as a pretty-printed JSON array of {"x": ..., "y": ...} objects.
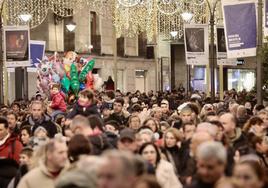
[
  {"x": 256, "y": 126},
  {"x": 249, "y": 173},
  {"x": 25, "y": 135},
  {"x": 164, "y": 170},
  {"x": 153, "y": 124}
]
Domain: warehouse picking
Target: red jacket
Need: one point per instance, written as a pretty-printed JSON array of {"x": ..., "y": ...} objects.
[
  {"x": 58, "y": 102},
  {"x": 11, "y": 149}
]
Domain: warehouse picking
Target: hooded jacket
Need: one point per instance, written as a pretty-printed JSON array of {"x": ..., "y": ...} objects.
[{"x": 58, "y": 102}]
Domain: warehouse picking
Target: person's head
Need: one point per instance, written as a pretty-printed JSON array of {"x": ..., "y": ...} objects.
[
  {"x": 188, "y": 130},
  {"x": 127, "y": 141},
  {"x": 163, "y": 126},
  {"x": 112, "y": 126},
  {"x": 197, "y": 139},
  {"x": 96, "y": 123},
  {"x": 241, "y": 111},
  {"x": 56, "y": 154},
  {"x": 150, "y": 152},
  {"x": 85, "y": 97},
  {"x": 25, "y": 134},
  {"x": 55, "y": 88},
  {"x": 263, "y": 114},
  {"x": 151, "y": 122},
  {"x": 25, "y": 156},
  {"x": 211, "y": 116},
  {"x": 146, "y": 135},
  {"x": 118, "y": 105},
  {"x": 12, "y": 121},
  {"x": 171, "y": 137},
  {"x": 186, "y": 114},
  {"x": 134, "y": 122},
  {"x": 41, "y": 133},
  {"x": 77, "y": 146},
  {"x": 147, "y": 181},
  {"x": 249, "y": 174},
  {"x": 255, "y": 125},
  {"x": 117, "y": 171},
  {"x": 37, "y": 109},
  {"x": 157, "y": 113},
  {"x": 164, "y": 106},
  {"x": 211, "y": 161},
  {"x": 81, "y": 125},
  {"x": 15, "y": 107},
  {"x": 209, "y": 128},
  {"x": 228, "y": 122},
  {"x": 3, "y": 128},
  {"x": 257, "y": 108}
]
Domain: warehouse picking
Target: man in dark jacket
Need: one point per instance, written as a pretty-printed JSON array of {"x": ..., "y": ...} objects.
[
  {"x": 237, "y": 139},
  {"x": 211, "y": 160},
  {"x": 39, "y": 118}
]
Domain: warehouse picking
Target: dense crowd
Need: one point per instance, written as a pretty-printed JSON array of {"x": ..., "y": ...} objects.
[{"x": 134, "y": 140}]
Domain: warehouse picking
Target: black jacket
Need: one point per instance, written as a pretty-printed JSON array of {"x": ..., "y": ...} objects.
[
  {"x": 45, "y": 122},
  {"x": 198, "y": 183},
  {"x": 99, "y": 143},
  {"x": 84, "y": 111}
]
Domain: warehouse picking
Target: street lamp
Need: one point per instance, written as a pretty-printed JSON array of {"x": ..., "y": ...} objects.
[
  {"x": 25, "y": 17},
  {"x": 212, "y": 9},
  {"x": 187, "y": 17},
  {"x": 71, "y": 26}
]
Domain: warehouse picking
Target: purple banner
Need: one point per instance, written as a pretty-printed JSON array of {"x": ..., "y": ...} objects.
[{"x": 240, "y": 29}]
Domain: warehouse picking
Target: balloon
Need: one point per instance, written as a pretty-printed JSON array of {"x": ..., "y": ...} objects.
[
  {"x": 82, "y": 86},
  {"x": 56, "y": 78},
  {"x": 75, "y": 85},
  {"x": 90, "y": 81},
  {"x": 88, "y": 67},
  {"x": 73, "y": 70},
  {"x": 58, "y": 68},
  {"x": 65, "y": 82}
]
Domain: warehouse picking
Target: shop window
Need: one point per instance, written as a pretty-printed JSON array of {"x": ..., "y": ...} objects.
[{"x": 240, "y": 79}]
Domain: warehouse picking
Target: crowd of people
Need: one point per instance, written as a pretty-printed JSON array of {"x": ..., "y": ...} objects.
[{"x": 134, "y": 140}]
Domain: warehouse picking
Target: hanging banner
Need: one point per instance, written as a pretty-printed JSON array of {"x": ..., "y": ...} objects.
[
  {"x": 37, "y": 51},
  {"x": 265, "y": 20},
  {"x": 240, "y": 28},
  {"x": 16, "y": 46},
  {"x": 221, "y": 48},
  {"x": 196, "y": 44}
]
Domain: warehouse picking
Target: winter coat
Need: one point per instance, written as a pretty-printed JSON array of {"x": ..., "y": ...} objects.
[
  {"x": 240, "y": 142},
  {"x": 198, "y": 183},
  {"x": 39, "y": 177},
  {"x": 173, "y": 155},
  {"x": 165, "y": 175},
  {"x": 11, "y": 148},
  {"x": 84, "y": 111},
  {"x": 8, "y": 169},
  {"x": 58, "y": 102},
  {"x": 45, "y": 122}
]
